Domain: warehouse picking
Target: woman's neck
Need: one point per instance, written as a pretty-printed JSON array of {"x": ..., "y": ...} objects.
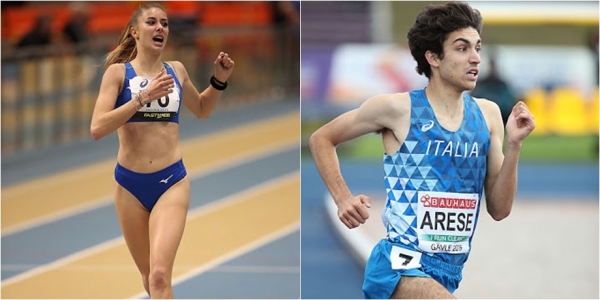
[{"x": 146, "y": 64}]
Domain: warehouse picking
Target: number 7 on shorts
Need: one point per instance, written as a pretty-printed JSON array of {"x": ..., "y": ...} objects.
[{"x": 404, "y": 259}]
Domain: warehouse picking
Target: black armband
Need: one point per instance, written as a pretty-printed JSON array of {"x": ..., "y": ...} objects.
[{"x": 218, "y": 85}]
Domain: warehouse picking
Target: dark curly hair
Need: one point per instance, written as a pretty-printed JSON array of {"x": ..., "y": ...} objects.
[{"x": 432, "y": 27}]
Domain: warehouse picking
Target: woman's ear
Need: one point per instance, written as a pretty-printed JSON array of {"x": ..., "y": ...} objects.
[{"x": 133, "y": 33}]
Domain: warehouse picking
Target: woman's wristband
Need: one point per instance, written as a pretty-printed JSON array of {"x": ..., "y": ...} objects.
[{"x": 217, "y": 84}]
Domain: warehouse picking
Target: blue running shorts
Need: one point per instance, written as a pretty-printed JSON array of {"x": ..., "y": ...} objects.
[
  {"x": 381, "y": 279},
  {"x": 148, "y": 187}
]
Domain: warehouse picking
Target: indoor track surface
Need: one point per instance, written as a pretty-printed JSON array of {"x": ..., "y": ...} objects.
[{"x": 61, "y": 237}]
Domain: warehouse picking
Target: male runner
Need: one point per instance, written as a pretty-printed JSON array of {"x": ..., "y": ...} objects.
[{"x": 443, "y": 148}]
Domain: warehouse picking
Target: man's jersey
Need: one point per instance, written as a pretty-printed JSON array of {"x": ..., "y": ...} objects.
[
  {"x": 434, "y": 183},
  {"x": 165, "y": 109}
]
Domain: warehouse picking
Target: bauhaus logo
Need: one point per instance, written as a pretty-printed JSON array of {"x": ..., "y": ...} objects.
[{"x": 443, "y": 202}]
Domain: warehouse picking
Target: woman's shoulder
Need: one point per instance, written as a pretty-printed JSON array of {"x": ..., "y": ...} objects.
[
  {"x": 178, "y": 67},
  {"x": 175, "y": 64},
  {"x": 116, "y": 68},
  {"x": 116, "y": 72}
]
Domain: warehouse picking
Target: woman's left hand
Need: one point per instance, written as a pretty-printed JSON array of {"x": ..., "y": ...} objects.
[{"x": 223, "y": 67}]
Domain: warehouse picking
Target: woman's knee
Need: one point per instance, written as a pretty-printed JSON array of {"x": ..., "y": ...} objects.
[{"x": 159, "y": 278}]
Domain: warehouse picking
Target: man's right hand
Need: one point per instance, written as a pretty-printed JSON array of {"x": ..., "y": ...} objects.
[{"x": 353, "y": 211}]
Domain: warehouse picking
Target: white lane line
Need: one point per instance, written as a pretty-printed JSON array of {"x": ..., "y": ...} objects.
[
  {"x": 107, "y": 200},
  {"x": 256, "y": 269},
  {"x": 59, "y": 215},
  {"x": 129, "y": 267},
  {"x": 231, "y": 255},
  {"x": 65, "y": 260},
  {"x": 199, "y": 211}
]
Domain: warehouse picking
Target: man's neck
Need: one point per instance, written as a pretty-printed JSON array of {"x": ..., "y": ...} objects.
[{"x": 444, "y": 98}]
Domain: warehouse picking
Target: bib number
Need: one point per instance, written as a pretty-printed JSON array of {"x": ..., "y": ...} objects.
[
  {"x": 164, "y": 108},
  {"x": 162, "y": 102},
  {"x": 404, "y": 259}
]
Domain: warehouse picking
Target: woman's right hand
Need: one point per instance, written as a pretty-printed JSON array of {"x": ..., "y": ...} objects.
[{"x": 161, "y": 85}]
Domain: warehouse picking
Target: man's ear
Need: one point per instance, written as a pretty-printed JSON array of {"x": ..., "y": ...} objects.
[{"x": 432, "y": 59}]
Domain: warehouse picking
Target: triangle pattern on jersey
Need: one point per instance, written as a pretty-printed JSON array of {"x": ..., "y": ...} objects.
[
  {"x": 431, "y": 183},
  {"x": 397, "y": 194},
  {"x": 410, "y": 145},
  {"x": 403, "y": 198},
  {"x": 424, "y": 171},
  {"x": 434, "y": 160},
  {"x": 392, "y": 172},
  {"x": 411, "y": 219},
  {"x": 409, "y": 212},
  {"x": 416, "y": 183},
  {"x": 410, "y": 195},
  {"x": 387, "y": 168},
  {"x": 414, "y": 223},
  {"x": 410, "y": 170},
  {"x": 403, "y": 181},
  {"x": 403, "y": 158},
  {"x": 419, "y": 110},
  {"x": 418, "y": 158}
]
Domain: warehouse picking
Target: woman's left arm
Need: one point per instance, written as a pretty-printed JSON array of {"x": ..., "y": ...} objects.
[{"x": 203, "y": 104}]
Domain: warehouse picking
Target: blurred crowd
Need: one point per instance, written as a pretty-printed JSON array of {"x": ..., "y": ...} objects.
[{"x": 74, "y": 35}]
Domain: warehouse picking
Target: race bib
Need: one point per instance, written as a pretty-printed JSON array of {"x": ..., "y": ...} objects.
[
  {"x": 162, "y": 109},
  {"x": 403, "y": 259},
  {"x": 445, "y": 221}
]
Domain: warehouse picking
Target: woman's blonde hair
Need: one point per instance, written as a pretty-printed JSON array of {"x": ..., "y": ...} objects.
[{"x": 126, "y": 49}]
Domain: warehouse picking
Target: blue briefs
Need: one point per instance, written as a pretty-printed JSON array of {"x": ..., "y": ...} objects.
[
  {"x": 381, "y": 280},
  {"x": 148, "y": 187}
]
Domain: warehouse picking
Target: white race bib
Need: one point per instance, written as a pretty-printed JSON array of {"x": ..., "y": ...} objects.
[
  {"x": 165, "y": 107},
  {"x": 445, "y": 221},
  {"x": 403, "y": 259}
]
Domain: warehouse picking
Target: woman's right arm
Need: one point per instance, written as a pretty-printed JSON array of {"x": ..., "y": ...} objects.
[{"x": 106, "y": 118}]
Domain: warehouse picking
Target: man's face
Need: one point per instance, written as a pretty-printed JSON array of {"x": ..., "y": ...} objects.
[{"x": 460, "y": 65}]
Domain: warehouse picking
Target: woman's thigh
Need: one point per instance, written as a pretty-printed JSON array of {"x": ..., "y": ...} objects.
[{"x": 167, "y": 222}]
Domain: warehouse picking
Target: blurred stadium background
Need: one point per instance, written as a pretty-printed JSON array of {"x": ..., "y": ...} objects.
[
  {"x": 60, "y": 235},
  {"x": 545, "y": 52},
  {"x": 49, "y": 84}
]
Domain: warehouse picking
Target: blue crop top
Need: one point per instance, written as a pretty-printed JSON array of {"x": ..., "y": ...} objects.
[{"x": 165, "y": 109}]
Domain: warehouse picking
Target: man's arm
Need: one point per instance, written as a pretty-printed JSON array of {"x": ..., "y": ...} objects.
[
  {"x": 372, "y": 116},
  {"x": 501, "y": 178}
]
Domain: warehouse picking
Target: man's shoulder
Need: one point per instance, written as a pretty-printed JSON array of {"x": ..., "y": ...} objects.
[
  {"x": 393, "y": 100},
  {"x": 485, "y": 104}
]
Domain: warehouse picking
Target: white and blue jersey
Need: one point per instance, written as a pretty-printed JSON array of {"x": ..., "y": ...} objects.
[
  {"x": 165, "y": 109},
  {"x": 434, "y": 182}
]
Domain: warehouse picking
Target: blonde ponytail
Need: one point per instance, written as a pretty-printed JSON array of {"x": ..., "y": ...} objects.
[{"x": 126, "y": 49}]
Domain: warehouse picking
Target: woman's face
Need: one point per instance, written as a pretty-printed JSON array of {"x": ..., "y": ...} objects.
[{"x": 152, "y": 29}]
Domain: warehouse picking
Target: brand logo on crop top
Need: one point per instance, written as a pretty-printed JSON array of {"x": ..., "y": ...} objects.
[{"x": 144, "y": 83}]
